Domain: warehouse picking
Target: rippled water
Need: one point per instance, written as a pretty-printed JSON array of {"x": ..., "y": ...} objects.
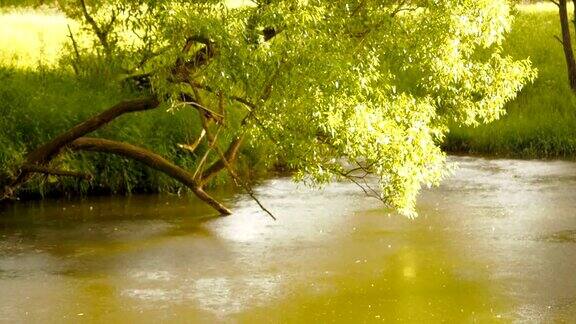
[{"x": 496, "y": 242}]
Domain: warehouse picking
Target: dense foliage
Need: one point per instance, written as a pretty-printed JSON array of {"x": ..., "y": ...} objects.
[{"x": 325, "y": 84}]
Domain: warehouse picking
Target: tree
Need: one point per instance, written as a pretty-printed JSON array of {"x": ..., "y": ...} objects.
[
  {"x": 339, "y": 89},
  {"x": 566, "y": 41}
]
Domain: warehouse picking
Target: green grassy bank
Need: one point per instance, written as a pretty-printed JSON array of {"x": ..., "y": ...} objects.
[{"x": 541, "y": 122}]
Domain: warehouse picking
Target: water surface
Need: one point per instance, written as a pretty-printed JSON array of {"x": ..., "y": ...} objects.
[{"x": 495, "y": 243}]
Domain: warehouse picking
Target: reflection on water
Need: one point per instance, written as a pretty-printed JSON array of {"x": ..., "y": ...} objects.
[{"x": 496, "y": 242}]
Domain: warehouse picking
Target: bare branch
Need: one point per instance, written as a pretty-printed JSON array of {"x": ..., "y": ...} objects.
[
  {"x": 241, "y": 183},
  {"x": 76, "y": 51},
  {"x": 230, "y": 155},
  {"x": 219, "y": 118},
  {"x": 226, "y": 162},
  {"x": 101, "y": 34},
  {"x": 559, "y": 40},
  {"x": 368, "y": 191},
  {"x": 376, "y": 194},
  {"x": 253, "y": 196},
  {"x": 211, "y": 143},
  {"x": 140, "y": 154},
  {"x": 110, "y": 24},
  {"x": 398, "y": 8},
  {"x": 150, "y": 159},
  {"x": 249, "y": 105},
  {"x": 241, "y": 100},
  {"x": 192, "y": 148},
  {"x": 48, "y": 150}
]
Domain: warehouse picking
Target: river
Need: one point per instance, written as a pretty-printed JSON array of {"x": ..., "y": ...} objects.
[{"x": 496, "y": 242}]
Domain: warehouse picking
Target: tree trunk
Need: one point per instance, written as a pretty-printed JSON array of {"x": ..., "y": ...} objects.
[
  {"x": 574, "y": 17},
  {"x": 567, "y": 44}
]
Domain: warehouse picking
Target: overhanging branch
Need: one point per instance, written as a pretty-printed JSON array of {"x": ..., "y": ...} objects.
[
  {"x": 45, "y": 153},
  {"x": 151, "y": 160}
]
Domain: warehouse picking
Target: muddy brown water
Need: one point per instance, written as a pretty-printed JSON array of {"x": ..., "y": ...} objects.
[{"x": 496, "y": 242}]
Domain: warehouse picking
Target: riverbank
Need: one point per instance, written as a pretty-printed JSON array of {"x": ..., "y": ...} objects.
[
  {"x": 541, "y": 122},
  {"x": 40, "y": 99}
]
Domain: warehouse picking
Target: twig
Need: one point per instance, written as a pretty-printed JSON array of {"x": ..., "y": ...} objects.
[
  {"x": 192, "y": 148},
  {"x": 212, "y": 112},
  {"x": 368, "y": 190},
  {"x": 225, "y": 161},
  {"x": 76, "y": 51},
  {"x": 250, "y": 192},
  {"x": 249, "y": 105},
  {"x": 376, "y": 194},
  {"x": 559, "y": 39},
  {"x": 211, "y": 143}
]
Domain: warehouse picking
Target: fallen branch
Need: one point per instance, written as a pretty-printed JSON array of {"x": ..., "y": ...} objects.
[{"x": 37, "y": 160}]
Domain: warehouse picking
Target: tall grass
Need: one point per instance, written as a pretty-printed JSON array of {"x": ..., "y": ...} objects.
[{"x": 541, "y": 122}]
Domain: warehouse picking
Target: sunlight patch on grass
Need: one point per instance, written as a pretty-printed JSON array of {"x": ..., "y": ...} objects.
[{"x": 31, "y": 37}]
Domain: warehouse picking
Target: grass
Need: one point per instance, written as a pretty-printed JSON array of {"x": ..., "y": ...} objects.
[{"x": 541, "y": 122}]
